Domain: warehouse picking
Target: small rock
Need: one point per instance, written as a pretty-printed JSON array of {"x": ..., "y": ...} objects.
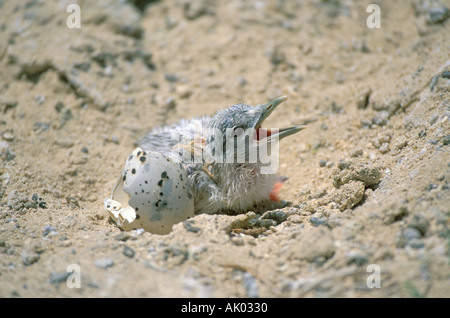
[
  {"x": 12, "y": 197},
  {"x": 357, "y": 258},
  {"x": 48, "y": 229},
  {"x": 316, "y": 221},
  {"x": 123, "y": 236},
  {"x": 362, "y": 100},
  {"x": 241, "y": 81},
  {"x": 39, "y": 98},
  {"x": 416, "y": 243},
  {"x": 115, "y": 139},
  {"x": 38, "y": 126},
  {"x": 438, "y": 15},
  {"x": 189, "y": 226},
  {"x": 322, "y": 163},
  {"x": 128, "y": 251},
  {"x": 194, "y": 9},
  {"x": 277, "y": 216},
  {"x": 413, "y": 174},
  {"x": 262, "y": 223},
  {"x": 275, "y": 55},
  {"x": 446, "y": 140},
  {"x": 171, "y": 78},
  {"x": 8, "y": 136},
  {"x": 401, "y": 143},
  {"x": 29, "y": 258},
  {"x": 56, "y": 278},
  {"x": 170, "y": 104},
  {"x": 343, "y": 164},
  {"x": 430, "y": 187},
  {"x": 384, "y": 148},
  {"x": 394, "y": 213},
  {"x": 72, "y": 202},
  {"x": 183, "y": 91},
  {"x": 419, "y": 222},
  {"x": 104, "y": 263},
  {"x": 251, "y": 285},
  {"x": 406, "y": 235},
  {"x": 357, "y": 152}
]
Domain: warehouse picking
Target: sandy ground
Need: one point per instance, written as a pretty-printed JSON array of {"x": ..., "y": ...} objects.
[{"x": 368, "y": 184}]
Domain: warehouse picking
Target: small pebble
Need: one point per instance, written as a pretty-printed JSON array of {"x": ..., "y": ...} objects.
[
  {"x": 251, "y": 285},
  {"x": 56, "y": 278},
  {"x": 277, "y": 216},
  {"x": 123, "y": 236},
  {"x": 316, "y": 221},
  {"x": 343, "y": 164},
  {"x": 48, "y": 229},
  {"x": 8, "y": 136},
  {"x": 384, "y": 148},
  {"x": 29, "y": 258},
  {"x": 128, "y": 251},
  {"x": 115, "y": 139},
  {"x": 104, "y": 263},
  {"x": 357, "y": 152},
  {"x": 446, "y": 140},
  {"x": 171, "y": 78},
  {"x": 357, "y": 258}
]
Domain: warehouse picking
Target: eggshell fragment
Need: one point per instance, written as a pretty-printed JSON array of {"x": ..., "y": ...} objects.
[{"x": 152, "y": 193}]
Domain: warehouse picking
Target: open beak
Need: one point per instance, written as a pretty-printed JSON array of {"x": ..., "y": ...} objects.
[{"x": 271, "y": 134}]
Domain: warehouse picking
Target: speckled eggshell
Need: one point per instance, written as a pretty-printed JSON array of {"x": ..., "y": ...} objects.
[{"x": 159, "y": 190}]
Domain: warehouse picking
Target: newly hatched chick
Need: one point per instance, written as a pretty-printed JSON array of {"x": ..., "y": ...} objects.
[{"x": 225, "y": 155}]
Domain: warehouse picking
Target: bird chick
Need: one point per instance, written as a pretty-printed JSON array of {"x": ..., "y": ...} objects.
[{"x": 227, "y": 157}]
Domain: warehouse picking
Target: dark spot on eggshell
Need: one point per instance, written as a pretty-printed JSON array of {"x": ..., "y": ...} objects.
[
  {"x": 160, "y": 183},
  {"x": 164, "y": 175},
  {"x": 189, "y": 195},
  {"x": 181, "y": 177},
  {"x": 156, "y": 217},
  {"x": 124, "y": 177},
  {"x": 161, "y": 194},
  {"x": 142, "y": 159},
  {"x": 130, "y": 157},
  {"x": 138, "y": 216},
  {"x": 158, "y": 203},
  {"x": 146, "y": 182},
  {"x": 133, "y": 171},
  {"x": 139, "y": 153},
  {"x": 143, "y": 190}
]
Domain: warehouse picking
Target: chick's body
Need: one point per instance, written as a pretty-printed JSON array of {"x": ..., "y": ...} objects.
[{"x": 222, "y": 185}]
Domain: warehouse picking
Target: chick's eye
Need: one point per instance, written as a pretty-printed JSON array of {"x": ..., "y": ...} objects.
[{"x": 238, "y": 131}]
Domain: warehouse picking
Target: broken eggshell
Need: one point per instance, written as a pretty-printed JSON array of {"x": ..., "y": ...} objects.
[{"x": 153, "y": 193}]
